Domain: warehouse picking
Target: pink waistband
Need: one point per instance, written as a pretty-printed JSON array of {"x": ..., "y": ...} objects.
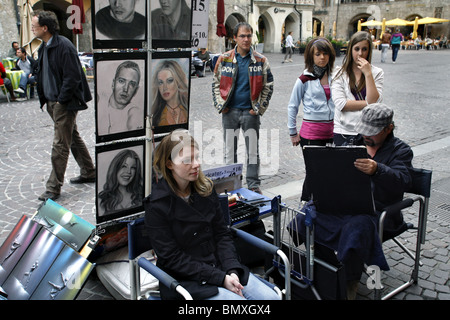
[{"x": 317, "y": 130}]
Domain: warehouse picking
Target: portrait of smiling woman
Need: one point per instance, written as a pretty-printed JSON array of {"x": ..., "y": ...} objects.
[{"x": 123, "y": 187}]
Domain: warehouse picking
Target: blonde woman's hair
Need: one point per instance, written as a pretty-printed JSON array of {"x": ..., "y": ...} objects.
[
  {"x": 168, "y": 149},
  {"x": 181, "y": 81}
]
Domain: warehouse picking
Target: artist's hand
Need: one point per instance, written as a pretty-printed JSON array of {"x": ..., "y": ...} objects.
[
  {"x": 232, "y": 283},
  {"x": 295, "y": 140},
  {"x": 368, "y": 166},
  {"x": 225, "y": 110},
  {"x": 252, "y": 112}
]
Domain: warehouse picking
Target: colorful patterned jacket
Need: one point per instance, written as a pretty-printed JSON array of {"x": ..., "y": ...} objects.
[{"x": 261, "y": 81}]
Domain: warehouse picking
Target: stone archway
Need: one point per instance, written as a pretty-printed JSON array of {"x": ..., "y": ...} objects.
[
  {"x": 59, "y": 7},
  {"x": 353, "y": 23},
  {"x": 232, "y": 20},
  {"x": 266, "y": 29},
  {"x": 318, "y": 24},
  {"x": 291, "y": 23}
]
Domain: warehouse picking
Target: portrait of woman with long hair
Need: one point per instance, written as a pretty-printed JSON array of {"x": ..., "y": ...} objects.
[
  {"x": 123, "y": 188},
  {"x": 170, "y": 94}
]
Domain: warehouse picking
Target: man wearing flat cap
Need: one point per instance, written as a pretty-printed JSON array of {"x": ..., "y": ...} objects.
[
  {"x": 355, "y": 237},
  {"x": 389, "y": 161}
]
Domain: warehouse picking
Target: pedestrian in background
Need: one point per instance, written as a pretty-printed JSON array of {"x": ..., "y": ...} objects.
[
  {"x": 396, "y": 40},
  {"x": 385, "y": 42},
  {"x": 62, "y": 85},
  {"x": 289, "y": 48}
]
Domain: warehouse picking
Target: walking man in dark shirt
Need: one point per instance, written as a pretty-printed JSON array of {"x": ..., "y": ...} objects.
[{"x": 62, "y": 85}]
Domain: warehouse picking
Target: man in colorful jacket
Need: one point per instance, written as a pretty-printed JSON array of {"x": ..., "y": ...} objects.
[{"x": 242, "y": 88}]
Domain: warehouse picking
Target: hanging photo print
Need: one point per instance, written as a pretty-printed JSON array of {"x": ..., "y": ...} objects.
[
  {"x": 170, "y": 91},
  {"x": 120, "y": 100},
  {"x": 171, "y": 23},
  {"x": 120, "y": 180},
  {"x": 119, "y": 24}
]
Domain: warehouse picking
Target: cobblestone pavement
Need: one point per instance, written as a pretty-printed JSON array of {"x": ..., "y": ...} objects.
[{"x": 416, "y": 87}]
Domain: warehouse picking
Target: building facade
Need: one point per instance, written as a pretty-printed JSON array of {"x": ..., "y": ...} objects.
[{"x": 271, "y": 20}]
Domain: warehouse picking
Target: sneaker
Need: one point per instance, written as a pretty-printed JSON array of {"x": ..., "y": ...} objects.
[
  {"x": 19, "y": 90},
  {"x": 285, "y": 61},
  {"x": 290, "y": 60}
]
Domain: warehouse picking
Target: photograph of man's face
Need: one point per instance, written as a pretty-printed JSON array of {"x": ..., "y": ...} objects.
[
  {"x": 168, "y": 6},
  {"x": 125, "y": 85},
  {"x": 171, "y": 21},
  {"x": 122, "y": 11},
  {"x": 120, "y": 19},
  {"x": 120, "y": 97}
]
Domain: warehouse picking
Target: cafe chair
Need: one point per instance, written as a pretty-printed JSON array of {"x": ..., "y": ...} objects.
[
  {"x": 5, "y": 91},
  {"x": 419, "y": 192},
  {"x": 138, "y": 242}
]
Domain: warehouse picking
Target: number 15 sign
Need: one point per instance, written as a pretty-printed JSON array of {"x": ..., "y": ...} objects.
[{"x": 200, "y": 15}]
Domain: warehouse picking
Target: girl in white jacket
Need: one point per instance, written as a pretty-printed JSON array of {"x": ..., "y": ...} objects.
[{"x": 355, "y": 85}]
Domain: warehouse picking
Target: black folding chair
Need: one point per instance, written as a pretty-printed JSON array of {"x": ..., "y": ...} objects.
[
  {"x": 138, "y": 242},
  {"x": 420, "y": 192}
]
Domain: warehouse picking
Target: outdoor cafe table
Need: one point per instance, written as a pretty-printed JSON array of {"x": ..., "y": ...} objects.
[
  {"x": 9, "y": 63},
  {"x": 14, "y": 76}
]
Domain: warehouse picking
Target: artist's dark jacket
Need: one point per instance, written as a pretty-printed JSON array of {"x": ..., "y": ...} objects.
[
  {"x": 393, "y": 176},
  {"x": 66, "y": 67},
  {"x": 191, "y": 240}
]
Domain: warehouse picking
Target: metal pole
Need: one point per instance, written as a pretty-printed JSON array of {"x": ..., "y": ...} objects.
[{"x": 148, "y": 122}]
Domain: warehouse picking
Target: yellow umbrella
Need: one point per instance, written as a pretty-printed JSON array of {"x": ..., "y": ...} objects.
[
  {"x": 428, "y": 20},
  {"x": 371, "y": 23},
  {"x": 398, "y": 22},
  {"x": 416, "y": 26},
  {"x": 334, "y": 29},
  {"x": 383, "y": 27},
  {"x": 315, "y": 29},
  {"x": 359, "y": 25}
]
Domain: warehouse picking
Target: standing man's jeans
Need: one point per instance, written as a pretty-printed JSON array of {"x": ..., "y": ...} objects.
[
  {"x": 66, "y": 138},
  {"x": 384, "y": 50},
  {"x": 395, "y": 48},
  {"x": 232, "y": 121}
]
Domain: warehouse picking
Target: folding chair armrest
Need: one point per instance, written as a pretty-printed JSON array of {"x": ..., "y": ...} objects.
[
  {"x": 405, "y": 203},
  {"x": 269, "y": 248},
  {"x": 255, "y": 241},
  {"x": 163, "y": 277}
]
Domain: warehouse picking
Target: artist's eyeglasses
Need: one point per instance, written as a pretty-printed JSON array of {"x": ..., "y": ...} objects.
[{"x": 242, "y": 36}]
